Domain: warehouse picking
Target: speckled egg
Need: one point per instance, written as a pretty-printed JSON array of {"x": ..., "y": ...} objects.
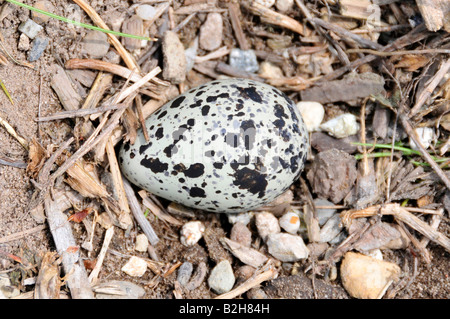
[{"x": 227, "y": 146}]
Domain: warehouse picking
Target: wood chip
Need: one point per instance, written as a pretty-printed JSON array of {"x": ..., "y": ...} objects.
[{"x": 68, "y": 96}]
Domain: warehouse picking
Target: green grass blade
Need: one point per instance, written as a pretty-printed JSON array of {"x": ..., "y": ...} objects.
[
  {"x": 80, "y": 24},
  {"x": 6, "y": 92}
]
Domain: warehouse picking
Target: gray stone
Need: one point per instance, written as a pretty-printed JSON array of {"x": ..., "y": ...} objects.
[
  {"x": 244, "y": 60},
  {"x": 286, "y": 247},
  {"x": 30, "y": 28},
  {"x": 323, "y": 214},
  {"x": 221, "y": 279},
  {"x": 39, "y": 46},
  {"x": 332, "y": 174},
  {"x": 331, "y": 229},
  {"x": 95, "y": 44},
  {"x": 185, "y": 273}
]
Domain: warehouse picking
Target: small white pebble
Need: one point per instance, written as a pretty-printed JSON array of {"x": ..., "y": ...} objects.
[
  {"x": 426, "y": 136},
  {"x": 145, "y": 12},
  {"x": 243, "y": 218},
  {"x": 141, "y": 243},
  {"x": 375, "y": 253},
  {"x": 24, "y": 42},
  {"x": 268, "y": 70},
  {"x": 341, "y": 126},
  {"x": 135, "y": 267},
  {"x": 191, "y": 233},
  {"x": 284, "y": 5},
  {"x": 266, "y": 3},
  {"x": 286, "y": 247},
  {"x": 312, "y": 113},
  {"x": 290, "y": 222},
  {"x": 267, "y": 224}
]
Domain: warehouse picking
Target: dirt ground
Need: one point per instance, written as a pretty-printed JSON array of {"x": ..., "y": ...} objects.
[{"x": 33, "y": 96}]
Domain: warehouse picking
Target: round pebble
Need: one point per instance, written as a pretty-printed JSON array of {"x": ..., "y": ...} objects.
[
  {"x": 366, "y": 277},
  {"x": 341, "y": 126},
  {"x": 290, "y": 222},
  {"x": 191, "y": 233},
  {"x": 174, "y": 60},
  {"x": 221, "y": 279},
  {"x": 135, "y": 267},
  {"x": 145, "y": 11},
  {"x": 284, "y": 5},
  {"x": 312, "y": 113},
  {"x": 243, "y": 218},
  {"x": 24, "y": 42},
  {"x": 268, "y": 70},
  {"x": 330, "y": 229}
]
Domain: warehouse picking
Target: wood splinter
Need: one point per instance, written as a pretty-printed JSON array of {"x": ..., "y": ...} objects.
[{"x": 402, "y": 215}]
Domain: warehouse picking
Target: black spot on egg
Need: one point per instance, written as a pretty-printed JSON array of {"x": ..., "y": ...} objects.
[
  {"x": 205, "y": 110},
  {"x": 218, "y": 165},
  {"x": 154, "y": 164},
  {"x": 144, "y": 147},
  {"x": 195, "y": 170},
  {"x": 160, "y": 116},
  {"x": 212, "y": 99},
  {"x": 197, "y": 192},
  {"x": 177, "y": 102},
  {"x": 250, "y": 93},
  {"x": 250, "y": 180},
  {"x": 159, "y": 133}
]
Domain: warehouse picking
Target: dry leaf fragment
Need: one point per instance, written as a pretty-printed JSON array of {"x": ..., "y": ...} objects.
[
  {"x": 412, "y": 62},
  {"x": 80, "y": 215},
  {"x": 36, "y": 158},
  {"x": 89, "y": 263},
  {"x": 72, "y": 249}
]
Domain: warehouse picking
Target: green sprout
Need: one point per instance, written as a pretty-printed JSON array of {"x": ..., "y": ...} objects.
[{"x": 405, "y": 151}]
